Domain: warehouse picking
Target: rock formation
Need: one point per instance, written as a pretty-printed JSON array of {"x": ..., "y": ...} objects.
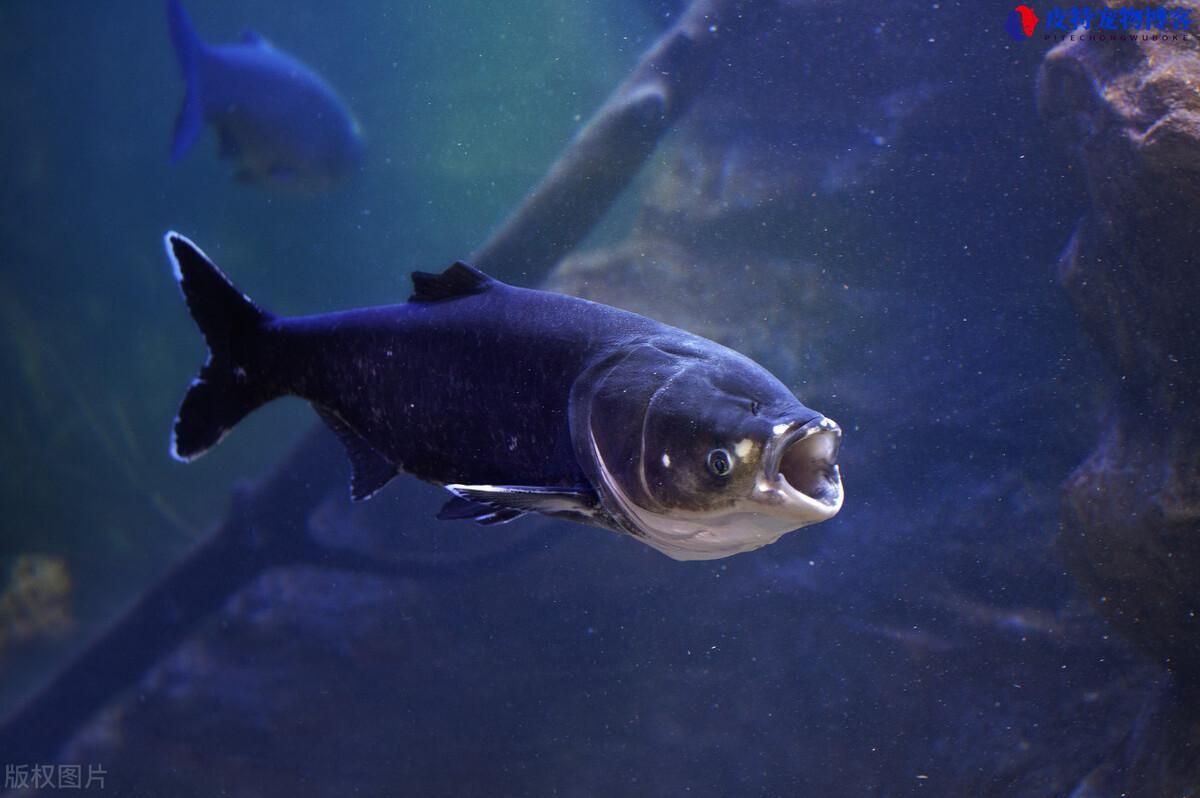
[
  {"x": 1128, "y": 112},
  {"x": 1130, "y": 115}
]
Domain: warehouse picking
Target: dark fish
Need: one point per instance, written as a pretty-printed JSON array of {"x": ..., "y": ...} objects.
[
  {"x": 276, "y": 118},
  {"x": 520, "y": 401}
]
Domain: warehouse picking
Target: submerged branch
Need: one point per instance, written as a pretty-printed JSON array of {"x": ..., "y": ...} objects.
[{"x": 610, "y": 150}]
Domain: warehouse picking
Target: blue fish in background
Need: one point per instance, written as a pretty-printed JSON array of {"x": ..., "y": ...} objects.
[{"x": 277, "y": 119}]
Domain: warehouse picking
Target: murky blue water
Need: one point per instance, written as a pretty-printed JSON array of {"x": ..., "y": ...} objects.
[
  {"x": 98, "y": 348},
  {"x": 878, "y": 175}
]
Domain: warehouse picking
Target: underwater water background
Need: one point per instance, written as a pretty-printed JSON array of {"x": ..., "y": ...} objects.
[
  {"x": 97, "y": 347},
  {"x": 929, "y": 639}
]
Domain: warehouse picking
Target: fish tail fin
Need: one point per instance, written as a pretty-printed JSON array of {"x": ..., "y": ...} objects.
[
  {"x": 228, "y": 387},
  {"x": 188, "y": 49}
]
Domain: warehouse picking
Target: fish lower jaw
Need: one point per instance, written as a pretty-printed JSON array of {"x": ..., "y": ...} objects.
[
  {"x": 778, "y": 498},
  {"x": 776, "y": 509},
  {"x": 800, "y": 478}
]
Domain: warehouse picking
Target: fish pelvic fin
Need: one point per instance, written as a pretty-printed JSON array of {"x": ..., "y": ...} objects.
[
  {"x": 457, "y": 281},
  {"x": 460, "y": 509},
  {"x": 228, "y": 387},
  {"x": 188, "y": 49}
]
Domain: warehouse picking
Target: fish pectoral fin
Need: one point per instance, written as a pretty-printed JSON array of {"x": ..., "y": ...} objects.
[
  {"x": 370, "y": 470},
  {"x": 497, "y": 504},
  {"x": 460, "y": 509}
]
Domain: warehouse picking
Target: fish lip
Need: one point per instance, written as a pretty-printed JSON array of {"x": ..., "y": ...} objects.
[{"x": 777, "y": 486}]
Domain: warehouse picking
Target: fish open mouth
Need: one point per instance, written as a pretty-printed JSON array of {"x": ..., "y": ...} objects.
[{"x": 801, "y": 462}]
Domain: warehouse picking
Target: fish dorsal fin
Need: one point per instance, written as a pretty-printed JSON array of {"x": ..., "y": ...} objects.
[
  {"x": 370, "y": 470},
  {"x": 457, "y": 281},
  {"x": 253, "y": 39}
]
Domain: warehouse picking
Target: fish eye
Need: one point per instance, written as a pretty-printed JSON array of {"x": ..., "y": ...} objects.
[{"x": 719, "y": 462}]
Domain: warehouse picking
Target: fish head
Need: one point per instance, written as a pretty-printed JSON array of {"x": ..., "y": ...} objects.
[{"x": 701, "y": 453}]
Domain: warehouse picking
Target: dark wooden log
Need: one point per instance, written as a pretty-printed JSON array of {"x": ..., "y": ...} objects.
[{"x": 610, "y": 150}]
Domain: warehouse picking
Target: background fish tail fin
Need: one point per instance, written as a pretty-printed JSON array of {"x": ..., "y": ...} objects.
[
  {"x": 227, "y": 389},
  {"x": 188, "y": 48}
]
